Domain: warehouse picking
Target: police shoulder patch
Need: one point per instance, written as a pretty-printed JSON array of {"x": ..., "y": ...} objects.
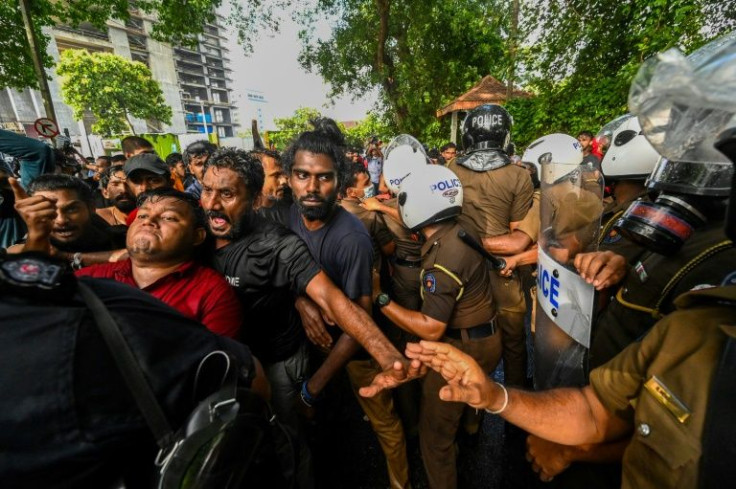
[
  {"x": 430, "y": 283},
  {"x": 612, "y": 237}
]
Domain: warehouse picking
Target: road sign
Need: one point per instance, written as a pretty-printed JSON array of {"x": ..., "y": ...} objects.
[{"x": 46, "y": 128}]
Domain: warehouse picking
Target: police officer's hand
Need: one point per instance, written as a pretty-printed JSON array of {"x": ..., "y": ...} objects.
[
  {"x": 547, "y": 458},
  {"x": 466, "y": 380},
  {"x": 601, "y": 268},
  {"x": 401, "y": 372},
  {"x": 508, "y": 270},
  {"x": 372, "y": 204},
  {"x": 313, "y": 322},
  {"x": 38, "y": 212}
]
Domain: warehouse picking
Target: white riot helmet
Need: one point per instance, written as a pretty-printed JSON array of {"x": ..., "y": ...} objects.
[
  {"x": 629, "y": 156},
  {"x": 403, "y": 155},
  {"x": 432, "y": 195},
  {"x": 555, "y": 156}
]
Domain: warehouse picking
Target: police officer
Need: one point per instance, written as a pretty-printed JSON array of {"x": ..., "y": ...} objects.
[
  {"x": 626, "y": 165},
  {"x": 457, "y": 307},
  {"x": 673, "y": 390},
  {"x": 497, "y": 196}
]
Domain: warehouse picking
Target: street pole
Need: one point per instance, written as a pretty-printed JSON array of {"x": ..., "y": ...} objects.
[
  {"x": 204, "y": 119},
  {"x": 43, "y": 84}
]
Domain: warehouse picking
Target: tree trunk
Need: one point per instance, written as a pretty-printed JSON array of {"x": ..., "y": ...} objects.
[{"x": 513, "y": 37}]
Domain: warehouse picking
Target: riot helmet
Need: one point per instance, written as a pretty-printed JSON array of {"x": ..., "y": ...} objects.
[
  {"x": 403, "y": 155},
  {"x": 486, "y": 135},
  {"x": 555, "y": 156},
  {"x": 630, "y": 156},
  {"x": 683, "y": 104},
  {"x": 432, "y": 195}
]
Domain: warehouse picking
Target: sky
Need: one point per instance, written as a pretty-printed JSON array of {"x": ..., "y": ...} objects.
[{"x": 273, "y": 73}]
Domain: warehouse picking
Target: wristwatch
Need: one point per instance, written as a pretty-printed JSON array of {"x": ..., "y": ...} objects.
[{"x": 382, "y": 300}]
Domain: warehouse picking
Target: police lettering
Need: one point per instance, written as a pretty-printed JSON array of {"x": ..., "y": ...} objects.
[
  {"x": 445, "y": 184},
  {"x": 487, "y": 120},
  {"x": 549, "y": 285}
]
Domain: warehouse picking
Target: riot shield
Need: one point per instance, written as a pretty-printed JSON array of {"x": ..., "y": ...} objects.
[{"x": 571, "y": 206}]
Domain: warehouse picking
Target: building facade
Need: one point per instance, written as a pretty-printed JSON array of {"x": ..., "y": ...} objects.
[{"x": 194, "y": 80}]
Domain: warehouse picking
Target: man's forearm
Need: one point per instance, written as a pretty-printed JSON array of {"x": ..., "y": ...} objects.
[
  {"x": 414, "y": 322},
  {"x": 507, "y": 244},
  {"x": 340, "y": 354},
  {"x": 567, "y": 416},
  {"x": 600, "y": 453}
]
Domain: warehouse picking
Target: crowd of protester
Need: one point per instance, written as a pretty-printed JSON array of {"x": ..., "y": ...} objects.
[{"x": 325, "y": 269}]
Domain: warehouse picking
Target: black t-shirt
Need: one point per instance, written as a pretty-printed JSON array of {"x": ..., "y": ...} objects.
[
  {"x": 592, "y": 161},
  {"x": 268, "y": 268},
  {"x": 66, "y": 417},
  {"x": 343, "y": 248}
]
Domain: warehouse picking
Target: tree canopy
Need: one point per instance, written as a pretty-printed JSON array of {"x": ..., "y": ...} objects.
[
  {"x": 112, "y": 88},
  {"x": 420, "y": 54},
  {"x": 178, "y": 22}
]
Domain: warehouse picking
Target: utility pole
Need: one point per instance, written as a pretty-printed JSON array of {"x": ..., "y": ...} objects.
[
  {"x": 43, "y": 84},
  {"x": 513, "y": 37}
]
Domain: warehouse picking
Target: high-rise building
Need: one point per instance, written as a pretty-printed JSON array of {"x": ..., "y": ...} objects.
[{"x": 195, "y": 80}]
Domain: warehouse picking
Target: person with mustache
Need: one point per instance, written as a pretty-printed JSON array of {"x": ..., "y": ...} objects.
[
  {"x": 341, "y": 244},
  {"x": 59, "y": 212},
  {"x": 162, "y": 243},
  {"x": 275, "y": 187},
  {"x": 114, "y": 188},
  {"x": 268, "y": 265}
]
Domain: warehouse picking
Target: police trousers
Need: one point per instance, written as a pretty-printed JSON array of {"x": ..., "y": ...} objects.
[
  {"x": 511, "y": 310},
  {"x": 439, "y": 420},
  {"x": 384, "y": 421}
]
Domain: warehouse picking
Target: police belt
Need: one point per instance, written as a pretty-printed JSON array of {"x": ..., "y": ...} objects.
[
  {"x": 475, "y": 333},
  {"x": 408, "y": 263}
]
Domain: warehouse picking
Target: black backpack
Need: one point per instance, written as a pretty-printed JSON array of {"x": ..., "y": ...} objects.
[{"x": 231, "y": 440}]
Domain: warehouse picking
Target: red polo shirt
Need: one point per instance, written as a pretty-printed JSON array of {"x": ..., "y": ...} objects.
[{"x": 196, "y": 291}]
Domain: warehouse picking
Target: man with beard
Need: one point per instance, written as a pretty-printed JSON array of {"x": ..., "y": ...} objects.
[
  {"x": 59, "y": 214},
  {"x": 341, "y": 245},
  {"x": 114, "y": 188},
  {"x": 267, "y": 265},
  {"x": 162, "y": 243}
]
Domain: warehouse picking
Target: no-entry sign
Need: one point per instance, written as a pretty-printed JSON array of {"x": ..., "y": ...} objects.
[{"x": 46, "y": 128}]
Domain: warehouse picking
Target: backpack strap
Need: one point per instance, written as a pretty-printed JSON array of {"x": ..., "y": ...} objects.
[{"x": 129, "y": 367}]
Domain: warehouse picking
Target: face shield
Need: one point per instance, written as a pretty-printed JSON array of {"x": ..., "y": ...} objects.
[{"x": 683, "y": 104}]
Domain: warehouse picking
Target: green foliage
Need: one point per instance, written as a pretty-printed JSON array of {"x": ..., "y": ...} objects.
[
  {"x": 586, "y": 52},
  {"x": 359, "y": 135},
  {"x": 420, "y": 54},
  {"x": 179, "y": 22},
  {"x": 288, "y": 128},
  {"x": 112, "y": 88}
]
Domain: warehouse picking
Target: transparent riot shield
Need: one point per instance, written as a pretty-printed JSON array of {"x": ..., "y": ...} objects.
[{"x": 571, "y": 206}]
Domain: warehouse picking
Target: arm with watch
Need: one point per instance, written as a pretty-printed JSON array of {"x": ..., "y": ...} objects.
[{"x": 414, "y": 322}]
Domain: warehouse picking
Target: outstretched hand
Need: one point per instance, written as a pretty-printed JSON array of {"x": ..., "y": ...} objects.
[
  {"x": 400, "y": 373},
  {"x": 466, "y": 380},
  {"x": 38, "y": 212}
]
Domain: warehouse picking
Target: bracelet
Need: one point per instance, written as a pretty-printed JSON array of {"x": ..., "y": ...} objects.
[
  {"x": 505, "y": 400},
  {"x": 77, "y": 261},
  {"x": 307, "y": 398}
]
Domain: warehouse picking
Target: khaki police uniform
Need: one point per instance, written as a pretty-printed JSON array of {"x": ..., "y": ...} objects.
[
  {"x": 653, "y": 282},
  {"x": 491, "y": 201},
  {"x": 376, "y": 226},
  {"x": 662, "y": 385},
  {"x": 407, "y": 262},
  {"x": 456, "y": 290}
]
